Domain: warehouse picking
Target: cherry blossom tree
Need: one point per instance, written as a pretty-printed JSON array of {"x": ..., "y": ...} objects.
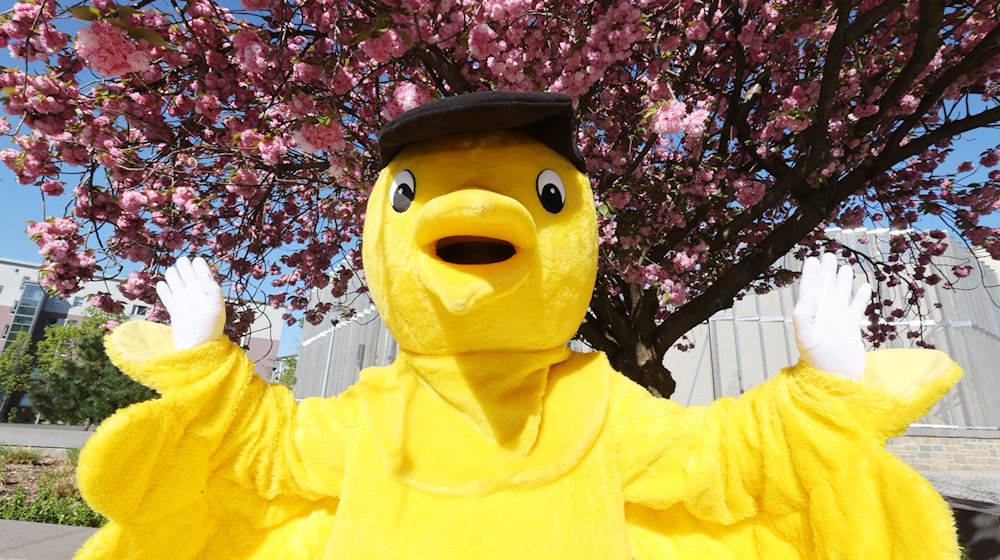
[{"x": 718, "y": 135}]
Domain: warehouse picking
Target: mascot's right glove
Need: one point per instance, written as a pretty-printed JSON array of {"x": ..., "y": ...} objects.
[{"x": 194, "y": 301}]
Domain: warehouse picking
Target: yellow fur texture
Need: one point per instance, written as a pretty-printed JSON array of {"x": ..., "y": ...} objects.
[{"x": 487, "y": 438}]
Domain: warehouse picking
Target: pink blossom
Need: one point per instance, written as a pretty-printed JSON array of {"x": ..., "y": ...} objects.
[
  {"x": 908, "y": 104},
  {"x": 138, "y": 284},
  {"x": 133, "y": 201},
  {"x": 482, "y": 41},
  {"x": 384, "y": 47},
  {"x": 251, "y": 52},
  {"x": 961, "y": 271},
  {"x": 273, "y": 149},
  {"x": 698, "y": 31},
  {"x": 405, "y": 97},
  {"x": 694, "y": 124},
  {"x": 991, "y": 158},
  {"x": 685, "y": 260},
  {"x": 104, "y": 301},
  {"x": 52, "y": 188},
  {"x": 209, "y": 107},
  {"x": 748, "y": 193},
  {"x": 111, "y": 325},
  {"x": 669, "y": 118},
  {"x": 619, "y": 199},
  {"x": 319, "y": 137},
  {"x": 506, "y": 10},
  {"x": 109, "y": 51},
  {"x": 306, "y": 72}
]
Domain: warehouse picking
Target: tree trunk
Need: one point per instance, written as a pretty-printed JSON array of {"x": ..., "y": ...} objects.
[
  {"x": 6, "y": 404},
  {"x": 644, "y": 366}
]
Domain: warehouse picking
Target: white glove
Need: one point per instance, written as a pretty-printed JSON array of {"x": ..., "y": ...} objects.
[
  {"x": 827, "y": 321},
  {"x": 194, "y": 301}
]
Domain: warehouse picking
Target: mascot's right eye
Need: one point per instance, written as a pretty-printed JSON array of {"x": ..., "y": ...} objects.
[{"x": 403, "y": 190}]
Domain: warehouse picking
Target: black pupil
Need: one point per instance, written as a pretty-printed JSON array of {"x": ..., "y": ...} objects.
[
  {"x": 551, "y": 198},
  {"x": 402, "y": 198}
]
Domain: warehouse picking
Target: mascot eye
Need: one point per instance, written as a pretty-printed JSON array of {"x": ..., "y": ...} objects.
[
  {"x": 551, "y": 191},
  {"x": 404, "y": 188}
]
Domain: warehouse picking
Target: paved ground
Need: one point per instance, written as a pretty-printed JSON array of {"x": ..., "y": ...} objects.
[
  {"x": 20, "y": 540},
  {"x": 979, "y": 486}
]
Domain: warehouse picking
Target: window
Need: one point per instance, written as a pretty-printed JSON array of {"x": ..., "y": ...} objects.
[
  {"x": 77, "y": 301},
  {"x": 139, "y": 310}
]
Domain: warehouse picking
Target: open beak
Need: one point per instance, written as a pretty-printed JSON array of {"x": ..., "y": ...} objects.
[{"x": 476, "y": 245}]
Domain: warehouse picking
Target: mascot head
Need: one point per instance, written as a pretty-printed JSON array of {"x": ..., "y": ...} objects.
[{"x": 480, "y": 233}]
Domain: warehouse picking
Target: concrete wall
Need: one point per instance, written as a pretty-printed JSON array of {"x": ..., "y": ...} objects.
[{"x": 43, "y": 436}]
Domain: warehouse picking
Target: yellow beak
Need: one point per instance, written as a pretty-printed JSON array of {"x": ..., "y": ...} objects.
[{"x": 476, "y": 245}]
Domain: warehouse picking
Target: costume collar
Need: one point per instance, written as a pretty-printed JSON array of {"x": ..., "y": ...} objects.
[
  {"x": 500, "y": 393},
  {"x": 432, "y": 444}
]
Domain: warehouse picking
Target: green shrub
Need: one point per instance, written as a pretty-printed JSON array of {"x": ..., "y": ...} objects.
[{"x": 48, "y": 508}]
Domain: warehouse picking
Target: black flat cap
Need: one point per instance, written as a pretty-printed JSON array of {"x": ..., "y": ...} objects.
[{"x": 546, "y": 117}]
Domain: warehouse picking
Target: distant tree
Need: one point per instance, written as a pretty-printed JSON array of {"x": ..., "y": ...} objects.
[
  {"x": 76, "y": 382},
  {"x": 16, "y": 365},
  {"x": 286, "y": 371}
]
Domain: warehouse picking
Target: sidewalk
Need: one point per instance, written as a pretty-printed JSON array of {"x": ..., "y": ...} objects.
[{"x": 20, "y": 540}]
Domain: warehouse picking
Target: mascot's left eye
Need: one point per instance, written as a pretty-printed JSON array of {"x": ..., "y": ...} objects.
[
  {"x": 404, "y": 189},
  {"x": 551, "y": 191}
]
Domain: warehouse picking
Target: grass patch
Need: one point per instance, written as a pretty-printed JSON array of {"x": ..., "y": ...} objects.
[
  {"x": 73, "y": 456},
  {"x": 19, "y": 456}
]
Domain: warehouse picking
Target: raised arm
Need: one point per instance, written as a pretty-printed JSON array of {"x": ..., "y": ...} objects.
[
  {"x": 795, "y": 468},
  {"x": 221, "y": 452}
]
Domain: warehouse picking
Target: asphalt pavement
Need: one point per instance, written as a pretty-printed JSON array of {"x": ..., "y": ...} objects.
[{"x": 21, "y": 540}]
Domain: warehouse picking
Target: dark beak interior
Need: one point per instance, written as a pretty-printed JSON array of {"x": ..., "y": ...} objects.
[{"x": 470, "y": 249}]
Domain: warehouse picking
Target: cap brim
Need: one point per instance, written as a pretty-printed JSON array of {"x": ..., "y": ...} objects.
[{"x": 546, "y": 117}]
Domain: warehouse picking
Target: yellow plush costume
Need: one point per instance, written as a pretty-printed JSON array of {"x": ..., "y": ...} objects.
[{"x": 487, "y": 438}]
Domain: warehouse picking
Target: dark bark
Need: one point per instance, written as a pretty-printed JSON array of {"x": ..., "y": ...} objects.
[
  {"x": 650, "y": 373},
  {"x": 8, "y": 402}
]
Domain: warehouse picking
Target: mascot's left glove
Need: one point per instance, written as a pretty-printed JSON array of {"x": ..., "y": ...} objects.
[
  {"x": 194, "y": 301},
  {"x": 828, "y": 321}
]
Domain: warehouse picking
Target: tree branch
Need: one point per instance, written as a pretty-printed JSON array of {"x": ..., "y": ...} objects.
[
  {"x": 866, "y": 21},
  {"x": 931, "y": 16},
  {"x": 436, "y": 61},
  {"x": 947, "y": 130},
  {"x": 816, "y": 136}
]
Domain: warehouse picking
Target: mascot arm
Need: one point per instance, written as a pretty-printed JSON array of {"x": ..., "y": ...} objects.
[
  {"x": 796, "y": 467},
  {"x": 215, "y": 425}
]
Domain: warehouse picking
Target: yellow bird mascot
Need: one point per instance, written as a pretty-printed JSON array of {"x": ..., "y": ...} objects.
[{"x": 488, "y": 438}]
